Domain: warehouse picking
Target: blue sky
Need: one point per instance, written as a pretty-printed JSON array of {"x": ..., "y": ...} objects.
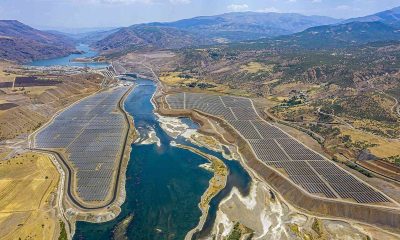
[{"x": 111, "y": 13}]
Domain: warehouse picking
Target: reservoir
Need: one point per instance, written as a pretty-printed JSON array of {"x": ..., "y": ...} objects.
[
  {"x": 68, "y": 60},
  {"x": 164, "y": 183}
]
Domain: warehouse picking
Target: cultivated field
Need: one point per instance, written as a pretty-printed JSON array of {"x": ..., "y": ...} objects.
[
  {"x": 28, "y": 185},
  {"x": 24, "y": 110}
]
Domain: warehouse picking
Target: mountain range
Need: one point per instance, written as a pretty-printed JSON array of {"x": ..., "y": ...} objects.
[
  {"x": 229, "y": 27},
  {"x": 294, "y": 29},
  {"x": 389, "y": 17},
  {"x": 21, "y": 43},
  {"x": 248, "y": 25},
  {"x": 342, "y": 35},
  {"x": 145, "y": 36}
]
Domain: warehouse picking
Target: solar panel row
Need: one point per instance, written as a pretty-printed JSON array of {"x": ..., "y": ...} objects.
[
  {"x": 92, "y": 133},
  {"x": 274, "y": 147}
]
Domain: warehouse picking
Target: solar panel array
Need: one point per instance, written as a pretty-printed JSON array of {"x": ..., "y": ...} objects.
[
  {"x": 92, "y": 134},
  {"x": 274, "y": 147}
]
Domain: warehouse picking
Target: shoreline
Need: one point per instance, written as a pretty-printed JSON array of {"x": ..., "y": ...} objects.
[
  {"x": 208, "y": 195},
  {"x": 206, "y": 205},
  {"x": 270, "y": 177}
]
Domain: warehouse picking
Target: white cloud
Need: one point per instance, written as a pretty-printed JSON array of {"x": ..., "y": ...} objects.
[
  {"x": 268, "y": 9},
  {"x": 316, "y": 1},
  {"x": 343, "y": 7},
  {"x": 238, "y": 7},
  {"x": 180, "y": 1}
]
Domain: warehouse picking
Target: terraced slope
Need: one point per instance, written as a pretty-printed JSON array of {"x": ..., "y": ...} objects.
[{"x": 275, "y": 148}]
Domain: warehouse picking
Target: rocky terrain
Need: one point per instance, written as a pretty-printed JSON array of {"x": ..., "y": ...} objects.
[
  {"x": 21, "y": 43},
  {"x": 263, "y": 215},
  {"x": 148, "y": 37}
]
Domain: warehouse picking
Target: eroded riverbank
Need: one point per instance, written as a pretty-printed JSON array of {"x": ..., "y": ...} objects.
[{"x": 276, "y": 214}]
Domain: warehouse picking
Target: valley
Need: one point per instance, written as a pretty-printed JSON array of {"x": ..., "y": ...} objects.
[{"x": 239, "y": 125}]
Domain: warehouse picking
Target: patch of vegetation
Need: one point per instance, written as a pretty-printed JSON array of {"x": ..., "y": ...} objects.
[
  {"x": 393, "y": 159},
  {"x": 359, "y": 145},
  {"x": 185, "y": 76},
  {"x": 294, "y": 100},
  {"x": 238, "y": 231},
  {"x": 63, "y": 232},
  {"x": 325, "y": 131},
  {"x": 366, "y": 107},
  {"x": 295, "y": 229},
  {"x": 359, "y": 169},
  {"x": 200, "y": 85},
  {"x": 317, "y": 227}
]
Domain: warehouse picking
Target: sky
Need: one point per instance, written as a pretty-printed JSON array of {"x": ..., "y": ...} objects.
[{"x": 70, "y": 14}]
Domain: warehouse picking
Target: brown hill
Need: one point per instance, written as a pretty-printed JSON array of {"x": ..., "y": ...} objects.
[
  {"x": 150, "y": 37},
  {"x": 21, "y": 43}
]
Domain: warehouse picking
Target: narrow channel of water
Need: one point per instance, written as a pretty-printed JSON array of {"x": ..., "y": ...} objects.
[
  {"x": 68, "y": 60},
  {"x": 164, "y": 183},
  {"x": 237, "y": 177}
]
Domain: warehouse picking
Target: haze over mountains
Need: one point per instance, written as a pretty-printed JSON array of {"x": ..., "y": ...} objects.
[
  {"x": 390, "y": 17},
  {"x": 22, "y": 43}
]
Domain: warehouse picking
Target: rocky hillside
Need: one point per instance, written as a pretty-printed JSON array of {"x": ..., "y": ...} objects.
[
  {"x": 21, "y": 43},
  {"x": 149, "y": 37}
]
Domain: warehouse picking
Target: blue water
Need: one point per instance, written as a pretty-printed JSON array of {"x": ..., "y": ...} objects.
[
  {"x": 164, "y": 184},
  {"x": 67, "y": 61}
]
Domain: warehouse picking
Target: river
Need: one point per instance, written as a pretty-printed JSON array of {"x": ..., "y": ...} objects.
[
  {"x": 68, "y": 60},
  {"x": 164, "y": 183}
]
